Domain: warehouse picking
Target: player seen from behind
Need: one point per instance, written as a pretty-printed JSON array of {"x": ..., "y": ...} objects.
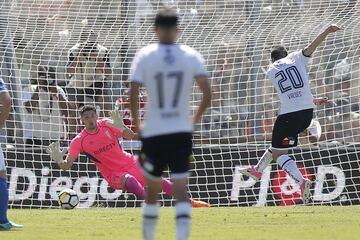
[
  {"x": 167, "y": 71},
  {"x": 289, "y": 76},
  {"x": 99, "y": 142}
]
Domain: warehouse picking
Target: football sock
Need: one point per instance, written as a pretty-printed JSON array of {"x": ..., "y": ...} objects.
[
  {"x": 289, "y": 166},
  {"x": 132, "y": 185},
  {"x": 264, "y": 161},
  {"x": 150, "y": 217},
  {"x": 167, "y": 187},
  {"x": 4, "y": 200},
  {"x": 182, "y": 210}
]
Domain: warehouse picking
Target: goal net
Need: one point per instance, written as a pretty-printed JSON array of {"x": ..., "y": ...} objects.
[{"x": 40, "y": 38}]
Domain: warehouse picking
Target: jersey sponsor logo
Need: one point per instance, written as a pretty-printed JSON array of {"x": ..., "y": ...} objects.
[
  {"x": 285, "y": 141},
  {"x": 108, "y": 135},
  {"x": 104, "y": 148},
  {"x": 288, "y": 141}
]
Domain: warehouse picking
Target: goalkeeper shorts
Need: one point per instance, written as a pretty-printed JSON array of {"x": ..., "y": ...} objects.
[
  {"x": 115, "y": 178},
  {"x": 287, "y": 127},
  {"x": 171, "y": 150}
]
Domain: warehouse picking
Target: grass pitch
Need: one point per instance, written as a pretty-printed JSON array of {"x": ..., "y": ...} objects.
[{"x": 211, "y": 223}]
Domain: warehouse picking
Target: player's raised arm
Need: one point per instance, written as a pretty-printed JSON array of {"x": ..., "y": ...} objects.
[
  {"x": 204, "y": 86},
  {"x": 57, "y": 155},
  {"x": 5, "y": 107},
  {"x": 134, "y": 104},
  {"x": 310, "y": 49},
  {"x": 118, "y": 122}
]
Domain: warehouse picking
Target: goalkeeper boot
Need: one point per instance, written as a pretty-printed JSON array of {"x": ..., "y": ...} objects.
[
  {"x": 251, "y": 172},
  {"x": 305, "y": 191},
  {"x": 9, "y": 225},
  {"x": 198, "y": 204}
]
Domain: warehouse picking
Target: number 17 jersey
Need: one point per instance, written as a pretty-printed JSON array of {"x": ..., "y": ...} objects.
[
  {"x": 290, "y": 79},
  {"x": 167, "y": 71}
]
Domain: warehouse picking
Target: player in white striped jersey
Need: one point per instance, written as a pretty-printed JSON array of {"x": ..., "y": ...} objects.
[
  {"x": 167, "y": 71},
  {"x": 289, "y": 76}
]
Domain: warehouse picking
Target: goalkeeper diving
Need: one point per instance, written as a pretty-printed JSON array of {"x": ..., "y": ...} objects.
[{"x": 99, "y": 142}]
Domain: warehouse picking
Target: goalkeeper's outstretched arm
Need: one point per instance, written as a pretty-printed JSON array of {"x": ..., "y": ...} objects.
[
  {"x": 129, "y": 134},
  {"x": 117, "y": 122},
  {"x": 310, "y": 49},
  {"x": 57, "y": 155},
  {"x": 66, "y": 165}
]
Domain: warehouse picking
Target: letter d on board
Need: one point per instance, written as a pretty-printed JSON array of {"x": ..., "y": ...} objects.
[
  {"x": 27, "y": 190},
  {"x": 320, "y": 181}
]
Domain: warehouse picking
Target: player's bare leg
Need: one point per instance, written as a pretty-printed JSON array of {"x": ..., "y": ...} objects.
[
  {"x": 132, "y": 185},
  {"x": 255, "y": 172},
  {"x": 151, "y": 208},
  {"x": 167, "y": 187},
  {"x": 289, "y": 166},
  {"x": 5, "y": 224},
  {"x": 182, "y": 208}
]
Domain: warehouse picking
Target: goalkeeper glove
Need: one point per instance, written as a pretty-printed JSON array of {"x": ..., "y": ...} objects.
[
  {"x": 116, "y": 120},
  {"x": 56, "y": 153}
]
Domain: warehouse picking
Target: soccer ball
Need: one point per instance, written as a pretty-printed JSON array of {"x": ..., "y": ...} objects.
[{"x": 68, "y": 199}]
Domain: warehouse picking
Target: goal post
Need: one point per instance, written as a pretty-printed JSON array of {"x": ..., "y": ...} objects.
[{"x": 235, "y": 38}]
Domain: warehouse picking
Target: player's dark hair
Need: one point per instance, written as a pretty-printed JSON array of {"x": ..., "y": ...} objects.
[
  {"x": 87, "y": 108},
  {"x": 278, "y": 52},
  {"x": 166, "y": 17}
]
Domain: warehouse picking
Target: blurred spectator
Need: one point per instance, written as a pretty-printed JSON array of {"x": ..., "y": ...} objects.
[
  {"x": 225, "y": 95},
  {"x": 342, "y": 71},
  {"x": 88, "y": 68},
  {"x": 340, "y": 83},
  {"x": 48, "y": 110},
  {"x": 342, "y": 124}
]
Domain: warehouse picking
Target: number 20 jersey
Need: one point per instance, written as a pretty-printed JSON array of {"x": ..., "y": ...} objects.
[
  {"x": 290, "y": 79},
  {"x": 167, "y": 72}
]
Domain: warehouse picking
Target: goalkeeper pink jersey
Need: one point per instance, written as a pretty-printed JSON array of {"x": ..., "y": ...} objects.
[{"x": 102, "y": 148}]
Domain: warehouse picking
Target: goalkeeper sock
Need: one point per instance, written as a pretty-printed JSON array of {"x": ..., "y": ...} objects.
[
  {"x": 132, "y": 185},
  {"x": 183, "y": 210},
  {"x": 150, "y": 217},
  {"x": 167, "y": 187},
  {"x": 289, "y": 166},
  {"x": 264, "y": 161},
  {"x": 4, "y": 200}
]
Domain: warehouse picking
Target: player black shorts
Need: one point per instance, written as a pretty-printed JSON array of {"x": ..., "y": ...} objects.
[
  {"x": 288, "y": 126},
  {"x": 172, "y": 150}
]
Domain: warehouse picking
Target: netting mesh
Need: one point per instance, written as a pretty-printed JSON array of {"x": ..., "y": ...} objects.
[{"x": 235, "y": 37}]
